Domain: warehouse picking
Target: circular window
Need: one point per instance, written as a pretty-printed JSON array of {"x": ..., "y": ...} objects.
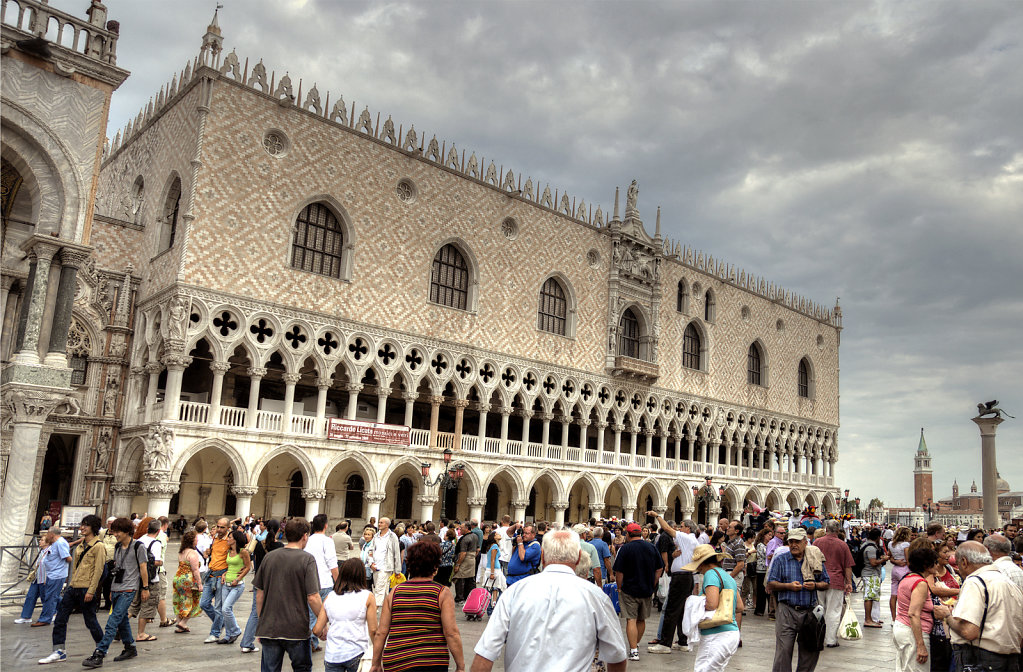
[
  {"x": 745, "y": 313},
  {"x": 275, "y": 143},
  {"x": 780, "y": 325},
  {"x": 593, "y": 258},
  {"x": 406, "y": 191},
  {"x": 820, "y": 341},
  {"x": 509, "y": 228}
]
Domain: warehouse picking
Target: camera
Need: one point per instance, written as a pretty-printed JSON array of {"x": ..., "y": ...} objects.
[{"x": 119, "y": 575}]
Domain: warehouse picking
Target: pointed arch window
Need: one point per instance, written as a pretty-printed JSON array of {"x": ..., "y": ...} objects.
[
  {"x": 79, "y": 346},
  {"x": 354, "y": 487},
  {"x": 552, "y": 315},
  {"x": 449, "y": 279},
  {"x": 682, "y": 299},
  {"x": 319, "y": 241},
  {"x": 691, "y": 348},
  {"x": 709, "y": 306},
  {"x": 169, "y": 217},
  {"x": 628, "y": 335},
  {"x": 753, "y": 365},
  {"x": 805, "y": 384}
]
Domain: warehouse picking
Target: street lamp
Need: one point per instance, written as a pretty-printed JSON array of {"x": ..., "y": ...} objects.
[{"x": 451, "y": 476}]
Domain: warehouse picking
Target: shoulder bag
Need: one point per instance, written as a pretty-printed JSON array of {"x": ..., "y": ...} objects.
[{"x": 725, "y": 611}]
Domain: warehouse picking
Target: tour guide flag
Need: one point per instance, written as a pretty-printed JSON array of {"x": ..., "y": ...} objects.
[{"x": 368, "y": 432}]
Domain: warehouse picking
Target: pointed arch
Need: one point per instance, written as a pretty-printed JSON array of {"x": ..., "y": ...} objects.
[
  {"x": 520, "y": 490},
  {"x": 323, "y": 239},
  {"x": 305, "y": 465},
  {"x": 628, "y": 494},
  {"x": 234, "y": 458},
  {"x": 357, "y": 456},
  {"x": 559, "y": 487},
  {"x": 556, "y": 307},
  {"x": 659, "y": 499},
  {"x": 129, "y": 462},
  {"x": 454, "y": 276}
]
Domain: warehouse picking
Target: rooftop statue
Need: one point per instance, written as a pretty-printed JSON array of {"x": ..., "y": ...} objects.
[{"x": 991, "y": 408}]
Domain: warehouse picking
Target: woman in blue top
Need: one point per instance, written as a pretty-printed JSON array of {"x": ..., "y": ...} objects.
[{"x": 717, "y": 644}]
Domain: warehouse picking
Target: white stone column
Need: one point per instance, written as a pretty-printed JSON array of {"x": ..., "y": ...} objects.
[
  {"x": 243, "y": 495},
  {"x": 176, "y": 365},
  {"x": 559, "y": 513},
  {"x": 313, "y": 497},
  {"x": 373, "y": 500},
  {"x": 426, "y": 505},
  {"x": 712, "y": 450},
  {"x": 545, "y": 437},
  {"x": 687, "y": 513},
  {"x": 435, "y": 402},
  {"x": 519, "y": 509},
  {"x": 628, "y": 512},
  {"x": 664, "y": 446},
  {"x": 505, "y": 413},
  {"x": 989, "y": 469},
  {"x": 30, "y": 322},
  {"x": 584, "y": 435},
  {"x": 476, "y": 509},
  {"x": 353, "y": 399},
  {"x": 121, "y": 496},
  {"x": 160, "y": 490},
  {"x": 322, "y": 385},
  {"x": 256, "y": 374},
  {"x": 410, "y": 400},
  {"x": 460, "y": 406},
  {"x": 601, "y": 429},
  {"x": 382, "y": 394},
  {"x": 217, "y": 390},
  {"x": 633, "y": 436},
  {"x": 526, "y": 415},
  {"x": 596, "y": 509},
  {"x": 566, "y": 422},
  {"x": 290, "y": 380},
  {"x": 154, "y": 369},
  {"x": 649, "y": 434},
  {"x": 481, "y": 434},
  {"x": 618, "y": 429}
]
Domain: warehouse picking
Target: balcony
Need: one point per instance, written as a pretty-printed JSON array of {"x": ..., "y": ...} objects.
[{"x": 639, "y": 369}]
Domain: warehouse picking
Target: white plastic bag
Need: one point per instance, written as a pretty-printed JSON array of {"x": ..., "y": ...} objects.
[
  {"x": 850, "y": 627},
  {"x": 662, "y": 587}
]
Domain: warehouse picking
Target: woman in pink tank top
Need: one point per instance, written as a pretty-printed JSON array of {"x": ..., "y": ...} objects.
[{"x": 915, "y": 613}]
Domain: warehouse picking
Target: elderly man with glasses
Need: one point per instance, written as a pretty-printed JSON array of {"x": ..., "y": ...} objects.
[
  {"x": 212, "y": 602},
  {"x": 797, "y": 596}
]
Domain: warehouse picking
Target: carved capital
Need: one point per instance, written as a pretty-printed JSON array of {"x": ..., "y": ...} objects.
[
  {"x": 436, "y": 401},
  {"x": 596, "y": 506},
  {"x": 410, "y": 396},
  {"x": 583, "y": 422},
  {"x": 43, "y": 250},
  {"x": 559, "y": 505},
  {"x": 73, "y": 258},
  {"x": 124, "y": 489},
  {"x": 545, "y": 416},
  {"x": 244, "y": 490},
  {"x": 220, "y": 367},
  {"x": 255, "y": 371},
  {"x": 520, "y": 503},
  {"x": 427, "y": 500},
  {"x": 476, "y": 501},
  {"x": 153, "y": 367},
  {"x": 291, "y": 378},
  {"x": 354, "y": 388},
  {"x": 179, "y": 362},
  {"x": 505, "y": 410},
  {"x": 383, "y": 392},
  {"x": 461, "y": 403},
  {"x": 158, "y": 484},
  {"x": 313, "y": 493},
  {"x": 375, "y": 497},
  {"x": 483, "y": 408},
  {"x": 324, "y": 383},
  {"x": 526, "y": 413},
  {"x": 564, "y": 419},
  {"x": 618, "y": 428},
  {"x": 34, "y": 406}
]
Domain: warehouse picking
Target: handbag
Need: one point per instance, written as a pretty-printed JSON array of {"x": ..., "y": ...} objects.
[
  {"x": 941, "y": 652},
  {"x": 811, "y": 632},
  {"x": 396, "y": 579},
  {"x": 725, "y": 611},
  {"x": 850, "y": 628}
]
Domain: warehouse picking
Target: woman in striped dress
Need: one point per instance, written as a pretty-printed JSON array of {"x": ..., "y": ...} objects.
[{"x": 417, "y": 626}]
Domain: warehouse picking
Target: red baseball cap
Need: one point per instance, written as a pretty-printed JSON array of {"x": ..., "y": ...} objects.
[{"x": 633, "y": 528}]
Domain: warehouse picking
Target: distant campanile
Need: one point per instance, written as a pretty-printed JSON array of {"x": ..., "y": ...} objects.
[{"x": 922, "y": 491}]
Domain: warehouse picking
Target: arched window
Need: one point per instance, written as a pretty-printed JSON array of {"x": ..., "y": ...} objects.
[
  {"x": 490, "y": 508},
  {"x": 403, "y": 499},
  {"x": 552, "y": 315},
  {"x": 709, "y": 306},
  {"x": 449, "y": 279},
  {"x": 628, "y": 335},
  {"x": 169, "y": 216},
  {"x": 691, "y": 346},
  {"x": 79, "y": 345},
  {"x": 805, "y": 386},
  {"x": 354, "y": 488},
  {"x": 682, "y": 300},
  {"x": 319, "y": 241},
  {"x": 753, "y": 364}
]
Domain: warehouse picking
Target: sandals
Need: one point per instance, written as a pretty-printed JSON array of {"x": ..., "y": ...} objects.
[
  {"x": 168, "y": 623},
  {"x": 179, "y": 629},
  {"x": 147, "y": 638}
]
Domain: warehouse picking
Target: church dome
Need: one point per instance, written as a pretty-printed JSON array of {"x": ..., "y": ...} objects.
[{"x": 1001, "y": 485}]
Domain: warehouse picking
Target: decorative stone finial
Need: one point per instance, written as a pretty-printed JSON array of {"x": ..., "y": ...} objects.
[
  {"x": 614, "y": 217},
  {"x": 657, "y": 232}
]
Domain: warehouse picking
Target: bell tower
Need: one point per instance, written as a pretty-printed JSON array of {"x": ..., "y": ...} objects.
[{"x": 922, "y": 491}]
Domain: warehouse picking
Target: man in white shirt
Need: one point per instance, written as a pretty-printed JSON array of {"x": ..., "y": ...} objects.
[
  {"x": 321, "y": 547},
  {"x": 386, "y": 559},
  {"x": 552, "y": 621},
  {"x": 161, "y": 607},
  {"x": 146, "y": 607},
  {"x": 999, "y": 547},
  {"x": 203, "y": 541},
  {"x": 505, "y": 544},
  {"x": 680, "y": 588}
]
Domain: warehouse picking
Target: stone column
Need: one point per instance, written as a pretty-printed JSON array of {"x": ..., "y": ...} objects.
[
  {"x": 460, "y": 406},
  {"x": 290, "y": 379},
  {"x": 71, "y": 260},
  {"x": 664, "y": 446},
  {"x": 628, "y": 512},
  {"x": 353, "y": 399},
  {"x": 382, "y": 394},
  {"x": 243, "y": 495},
  {"x": 559, "y": 512},
  {"x": 29, "y": 408},
  {"x": 476, "y": 509},
  {"x": 481, "y": 434},
  {"x": 526, "y": 415},
  {"x": 426, "y": 504},
  {"x": 989, "y": 469},
  {"x": 545, "y": 434},
  {"x": 5, "y": 294},
  {"x": 712, "y": 450},
  {"x": 410, "y": 400},
  {"x": 633, "y": 436},
  {"x": 435, "y": 402},
  {"x": 176, "y": 365},
  {"x": 505, "y": 413},
  {"x": 519, "y": 509},
  {"x": 687, "y": 513},
  {"x": 121, "y": 495},
  {"x": 216, "y": 394},
  {"x": 322, "y": 385},
  {"x": 618, "y": 429},
  {"x": 312, "y": 497},
  {"x": 153, "y": 369},
  {"x": 33, "y": 304},
  {"x": 596, "y": 508},
  {"x": 268, "y": 503},
  {"x": 373, "y": 500},
  {"x": 566, "y": 422},
  {"x": 601, "y": 429},
  {"x": 160, "y": 489},
  {"x": 649, "y": 434},
  {"x": 204, "y": 499},
  {"x": 256, "y": 374},
  {"x": 584, "y": 432}
]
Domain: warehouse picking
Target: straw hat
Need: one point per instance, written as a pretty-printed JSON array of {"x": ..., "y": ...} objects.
[{"x": 702, "y": 554}]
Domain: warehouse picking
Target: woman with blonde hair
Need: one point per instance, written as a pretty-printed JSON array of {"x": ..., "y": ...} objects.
[{"x": 897, "y": 549}]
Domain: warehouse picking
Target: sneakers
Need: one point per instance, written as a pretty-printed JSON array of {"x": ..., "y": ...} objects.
[
  {"x": 129, "y": 652},
  {"x": 95, "y": 660},
  {"x": 682, "y": 647},
  {"x": 227, "y": 640},
  {"x": 23, "y": 620},
  {"x": 250, "y": 649},
  {"x": 634, "y": 654},
  {"x": 211, "y": 639},
  {"x": 57, "y": 656},
  {"x": 657, "y": 648}
]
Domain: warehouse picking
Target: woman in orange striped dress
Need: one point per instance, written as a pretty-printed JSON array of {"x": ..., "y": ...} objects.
[{"x": 417, "y": 626}]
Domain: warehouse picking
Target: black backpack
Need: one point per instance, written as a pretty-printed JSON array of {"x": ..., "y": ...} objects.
[
  {"x": 150, "y": 558},
  {"x": 859, "y": 557}
]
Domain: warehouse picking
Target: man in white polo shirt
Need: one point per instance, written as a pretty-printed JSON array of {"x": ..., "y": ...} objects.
[
  {"x": 321, "y": 547},
  {"x": 680, "y": 588}
]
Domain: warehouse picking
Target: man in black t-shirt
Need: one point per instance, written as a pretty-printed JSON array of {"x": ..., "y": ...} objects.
[{"x": 637, "y": 568}]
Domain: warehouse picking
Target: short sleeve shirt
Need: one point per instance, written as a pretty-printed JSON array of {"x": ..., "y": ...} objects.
[
  {"x": 602, "y": 550},
  {"x": 1003, "y": 627},
  {"x": 837, "y": 557},
  {"x": 870, "y": 552},
  {"x": 287, "y": 577},
  {"x": 737, "y": 549},
  {"x": 638, "y": 561},
  {"x": 722, "y": 580},
  {"x": 54, "y": 561}
]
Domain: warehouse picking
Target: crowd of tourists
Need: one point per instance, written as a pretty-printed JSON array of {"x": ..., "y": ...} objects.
[{"x": 387, "y": 598}]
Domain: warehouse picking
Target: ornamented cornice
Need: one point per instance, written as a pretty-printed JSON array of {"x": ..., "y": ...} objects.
[
  {"x": 33, "y": 406},
  {"x": 244, "y": 490},
  {"x": 375, "y": 497},
  {"x": 313, "y": 493}
]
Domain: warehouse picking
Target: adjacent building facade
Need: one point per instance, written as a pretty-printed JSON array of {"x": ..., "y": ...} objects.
[{"x": 281, "y": 260}]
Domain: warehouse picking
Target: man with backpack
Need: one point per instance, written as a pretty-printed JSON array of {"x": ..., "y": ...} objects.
[
  {"x": 131, "y": 576},
  {"x": 873, "y": 561},
  {"x": 525, "y": 559},
  {"x": 82, "y": 592},
  {"x": 147, "y": 608}
]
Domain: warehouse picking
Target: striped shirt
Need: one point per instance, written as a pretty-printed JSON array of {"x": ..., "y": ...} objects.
[{"x": 416, "y": 638}]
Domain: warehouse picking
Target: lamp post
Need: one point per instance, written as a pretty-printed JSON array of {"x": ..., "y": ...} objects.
[
  {"x": 708, "y": 495},
  {"x": 451, "y": 476},
  {"x": 857, "y": 507}
]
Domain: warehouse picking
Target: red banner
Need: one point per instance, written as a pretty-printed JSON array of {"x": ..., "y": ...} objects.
[{"x": 368, "y": 432}]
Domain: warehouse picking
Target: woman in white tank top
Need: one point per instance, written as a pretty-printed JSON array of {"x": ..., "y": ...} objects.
[{"x": 348, "y": 620}]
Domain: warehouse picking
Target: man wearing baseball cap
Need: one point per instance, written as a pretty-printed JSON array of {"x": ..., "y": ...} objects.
[
  {"x": 637, "y": 568},
  {"x": 796, "y": 587}
]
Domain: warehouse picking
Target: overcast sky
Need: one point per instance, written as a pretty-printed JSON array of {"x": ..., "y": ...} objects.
[{"x": 868, "y": 151}]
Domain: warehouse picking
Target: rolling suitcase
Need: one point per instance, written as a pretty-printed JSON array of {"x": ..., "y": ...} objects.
[
  {"x": 611, "y": 589},
  {"x": 476, "y": 604}
]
